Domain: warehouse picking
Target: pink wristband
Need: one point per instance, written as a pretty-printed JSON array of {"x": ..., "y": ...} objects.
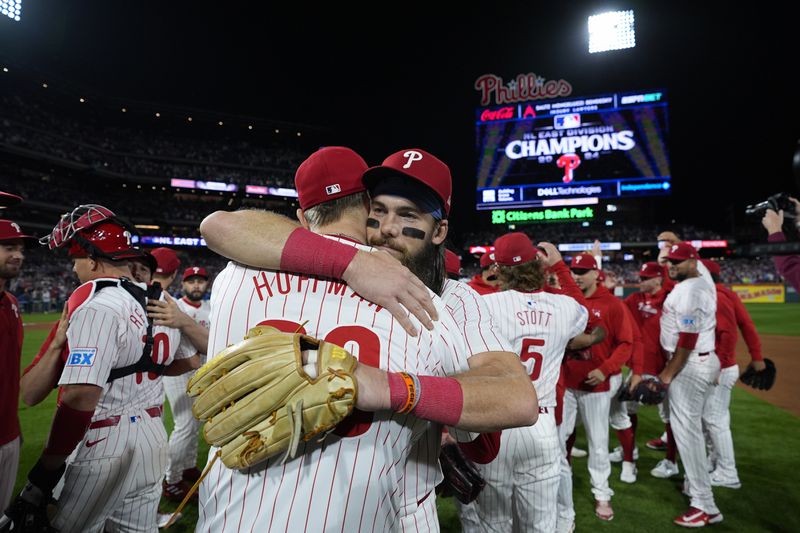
[
  {"x": 306, "y": 252},
  {"x": 440, "y": 399}
]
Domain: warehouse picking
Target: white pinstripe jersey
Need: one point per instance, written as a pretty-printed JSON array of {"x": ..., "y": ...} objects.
[
  {"x": 538, "y": 325},
  {"x": 200, "y": 313},
  {"x": 357, "y": 479},
  {"x": 106, "y": 331},
  {"x": 691, "y": 307}
]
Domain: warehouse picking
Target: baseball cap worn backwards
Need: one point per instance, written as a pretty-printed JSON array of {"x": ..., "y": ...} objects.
[
  {"x": 418, "y": 167},
  {"x": 167, "y": 260},
  {"x": 329, "y": 173},
  {"x": 513, "y": 249}
]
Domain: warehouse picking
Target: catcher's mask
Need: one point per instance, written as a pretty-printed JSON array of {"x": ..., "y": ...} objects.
[{"x": 92, "y": 231}]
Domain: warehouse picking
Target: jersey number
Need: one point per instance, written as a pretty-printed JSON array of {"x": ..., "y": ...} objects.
[
  {"x": 365, "y": 346},
  {"x": 159, "y": 355},
  {"x": 528, "y": 352}
]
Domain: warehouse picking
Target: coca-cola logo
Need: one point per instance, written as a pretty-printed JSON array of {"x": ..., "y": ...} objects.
[{"x": 503, "y": 113}]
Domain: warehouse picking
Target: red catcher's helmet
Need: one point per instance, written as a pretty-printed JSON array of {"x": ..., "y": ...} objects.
[{"x": 92, "y": 230}]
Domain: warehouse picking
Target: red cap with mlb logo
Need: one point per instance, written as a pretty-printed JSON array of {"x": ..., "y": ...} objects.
[
  {"x": 513, "y": 249},
  {"x": 10, "y": 230},
  {"x": 651, "y": 269},
  {"x": 167, "y": 259},
  {"x": 584, "y": 260},
  {"x": 327, "y": 174},
  {"x": 682, "y": 251},
  {"x": 195, "y": 271},
  {"x": 487, "y": 260},
  {"x": 418, "y": 165}
]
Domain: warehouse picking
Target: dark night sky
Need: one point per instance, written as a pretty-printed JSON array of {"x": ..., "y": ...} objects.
[{"x": 405, "y": 77}]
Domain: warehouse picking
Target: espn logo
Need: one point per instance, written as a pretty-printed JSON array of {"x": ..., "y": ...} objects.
[
  {"x": 81, "y": 357},
  {"x": 333, "y": 189}
]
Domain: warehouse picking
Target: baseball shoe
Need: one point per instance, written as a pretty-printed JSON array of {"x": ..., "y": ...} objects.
[
  {"x": 603, "y": 510},
  {"x": 665, "y": 469},
  {"x": 715, "y": 518},
  {"x": 628, "y": 474},
  {"x": 190, "y": 475},
  {"x": 176, "y": 492},
  {"x": 719, "y": 481},
  {"x": 657, "y": 444},
  {"x": 616, "y": 455},
  {"x": 694, "y": 517},
  {"x": 579, "y": 452}
]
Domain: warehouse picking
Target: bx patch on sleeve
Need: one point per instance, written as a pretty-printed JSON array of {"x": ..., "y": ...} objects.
[{"x": 81, "y": 357}]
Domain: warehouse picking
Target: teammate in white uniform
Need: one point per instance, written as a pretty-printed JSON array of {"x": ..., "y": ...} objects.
[
  {"x": 525, "y": 475},
  {"x": 356, "y": 479},
  {"x": 687, "y": 332},
  {"x": 107, "y": 427},
  {"x": 182, "y": 467}
]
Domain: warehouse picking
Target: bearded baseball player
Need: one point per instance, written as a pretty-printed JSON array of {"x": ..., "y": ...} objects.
[
  {"x": 688, "y": 326},
  {"x": 410, "y": 183},
  {"x": 525, "y": 475},
  {"x": 107, "y": 439},
  {"x": 12, "y": 246},
  {"x": 357, "y": 478}
]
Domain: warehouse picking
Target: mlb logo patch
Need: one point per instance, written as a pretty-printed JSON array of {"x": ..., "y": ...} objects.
[
  {"x": 333, "y": 189},
  {"x": 562, "y": 122},
  {"x": 81, "y": 357}
]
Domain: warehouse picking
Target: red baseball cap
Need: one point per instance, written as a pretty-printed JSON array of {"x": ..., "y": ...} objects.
[
  {"x": 712, "y": 266},
  {"x": 167, "y": 260},
  {"x": 195, "y": 271},
  {"x": 682, "y": 251},
  {"x": 10, "y": 230},
  {"x": 487, "y": 260},
  {"x": 513, "y": 249},
  {"x": 327, "y": 174},
  {"x": 7, "y": 199},
  {"x": 601, "y": 275},
  {"x": 452, "y": 263},
  {"x": 418, "y": 165},
  {"x": 651, "y": 269},
  {"x": 584, "y": 260}
]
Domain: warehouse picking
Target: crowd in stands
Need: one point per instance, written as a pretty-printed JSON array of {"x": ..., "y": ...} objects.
[{"x": 29, "y": 124}]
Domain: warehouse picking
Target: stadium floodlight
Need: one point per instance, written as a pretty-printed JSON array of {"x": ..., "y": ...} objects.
[
  {"x": 613, "y": 30},
  {"x": 11, "y": 8}
]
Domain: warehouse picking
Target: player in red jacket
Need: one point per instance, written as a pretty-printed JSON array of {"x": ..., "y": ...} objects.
[{"x": 486, "y": 282}]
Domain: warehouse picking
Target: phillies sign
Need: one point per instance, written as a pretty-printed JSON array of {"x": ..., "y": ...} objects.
[{"x": 522, "y": 88}]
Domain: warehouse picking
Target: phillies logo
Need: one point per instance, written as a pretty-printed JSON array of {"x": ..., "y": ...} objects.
[
  {"x": 195, "y": 270},
  {"x": 568, "y": 162},
  {"x": 411, "y": 155},
  {"x": 16, "y": 227}
]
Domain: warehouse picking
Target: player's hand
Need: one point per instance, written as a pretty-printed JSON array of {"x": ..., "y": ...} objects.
[
  {"x": 596, "y": 251},
  {"x": 167, "y": 313},
  {"x": 665, "y": 378},
  {"x": 60, "y": 338},
  {"x": 552, "y": 256},
  {"x": 772, "y": 221},
  {"x": 758, "y": 366},
  {"x": 383, "y": 280},
  {"x": 669, "y": 238},
  {"x": 595, "y": 377},
  {"x": 634, "y": 382},
  {"x": 373, "y": 388}
]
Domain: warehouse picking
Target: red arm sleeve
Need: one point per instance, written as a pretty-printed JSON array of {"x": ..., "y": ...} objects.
[
  {"x": 746, "y": 326},
  {"x": 482, "y": 450},
  {"x": 43, "y": 349},
  {"x": 622, "y": 342}
]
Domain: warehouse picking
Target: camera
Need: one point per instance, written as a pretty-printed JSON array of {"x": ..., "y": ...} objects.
[{"x": 775, "y": 202}]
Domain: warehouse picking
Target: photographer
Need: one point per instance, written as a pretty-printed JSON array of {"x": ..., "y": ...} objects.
[{"x": 788, "y": 265}]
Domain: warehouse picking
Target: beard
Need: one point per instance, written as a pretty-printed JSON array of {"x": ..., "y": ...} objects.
[
  {"x": 10, "y": 270},
  {"x": 427, "y": 264},
  {"x": 195, "y": 295}
]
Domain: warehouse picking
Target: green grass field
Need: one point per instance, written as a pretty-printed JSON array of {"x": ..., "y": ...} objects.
[{"x": 765, "y": 438}]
